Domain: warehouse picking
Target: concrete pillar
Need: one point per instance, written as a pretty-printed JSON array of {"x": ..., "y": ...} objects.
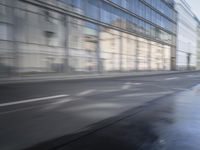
[
  {"x": 137, "y": 54},
  {"x": 149, "y": 55},
  {"x": 188, "y": 60},
  {"x": 14, "y": 39},
  {"x": 121, "y": 47},
  {"x": 173, "y": 58},
  {"x": 99, "y": 62},
  {"x": 66, "y": 61}
]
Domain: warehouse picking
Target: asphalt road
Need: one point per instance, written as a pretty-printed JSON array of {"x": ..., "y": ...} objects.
[{"x": 94, "y": 114}]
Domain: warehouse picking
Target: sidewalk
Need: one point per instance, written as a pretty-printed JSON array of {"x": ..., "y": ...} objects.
[{"x": 64, "y": 77}]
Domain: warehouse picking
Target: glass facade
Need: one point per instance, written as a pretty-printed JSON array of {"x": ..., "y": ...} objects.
[{"x": 85, "y": 36}]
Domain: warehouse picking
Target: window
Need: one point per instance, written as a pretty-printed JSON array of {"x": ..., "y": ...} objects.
[
  {"x": 124, "y": 3},
  {"x": 78, "y": 3},
  {"x": 153, "y": 31},
  {"x": 116, "y": 17},
  {"x": 68, "y": 2},
  {"x": 83, "y": 41},
  {"x": 136, "y": 7},
  {"x": 106, "y": 13},
  {"x": 130, "y": 23},
  {"x": 92, "y": 9},
  {"x": 148, "y": 14},
  {"x": 109, "y": 49},
  {"x": 118, "y": 2}
]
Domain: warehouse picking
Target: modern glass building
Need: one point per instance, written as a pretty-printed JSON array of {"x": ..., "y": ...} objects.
[{"x": 86, "y": 36}]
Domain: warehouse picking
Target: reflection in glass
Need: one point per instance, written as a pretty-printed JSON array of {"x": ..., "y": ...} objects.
[
  {"x": 109, "y": 44},
  {"x": 83, "y": 41}
]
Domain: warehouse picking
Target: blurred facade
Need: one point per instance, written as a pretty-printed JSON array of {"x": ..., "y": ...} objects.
[
  {"x": 186, "y": 37},
  {"x": 198, "y": 45},
  {"x": 86, "y": 36}
]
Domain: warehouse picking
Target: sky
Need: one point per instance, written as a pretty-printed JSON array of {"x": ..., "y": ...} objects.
[{"x": 195, "y": 6}]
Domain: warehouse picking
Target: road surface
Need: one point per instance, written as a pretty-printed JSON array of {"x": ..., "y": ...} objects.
[{"x": 120, "y": 113}]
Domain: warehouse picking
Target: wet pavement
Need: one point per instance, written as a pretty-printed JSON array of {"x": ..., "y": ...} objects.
[
  {"x": 183, "y": 133},
  {"x": 145, "y": 113},
  {"x": 170, "y": 123}
]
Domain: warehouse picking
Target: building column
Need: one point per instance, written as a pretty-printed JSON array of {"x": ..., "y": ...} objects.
[
  {"x": 173, "y": 58},
  {"x": 188, "y": 60},
  {"x": 137, "y": 54},
  {"x": 98, "y": 56},
  {"x": 66, "y": 61},
  {"x": 163, "y": 57},
  {"x": 120, "y": 52},
  {"x": 149, "y": 55},
  {"x": 14, "y": 39}
]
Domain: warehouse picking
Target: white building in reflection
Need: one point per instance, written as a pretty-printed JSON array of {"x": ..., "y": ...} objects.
[
  {"x": 198, "y": 46},
  {"x": 186, "y": 37},
  {"x": 129, "y": 52}
]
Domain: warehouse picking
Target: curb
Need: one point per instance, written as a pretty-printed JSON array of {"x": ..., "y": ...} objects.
[{"x": 19, "y": 80}]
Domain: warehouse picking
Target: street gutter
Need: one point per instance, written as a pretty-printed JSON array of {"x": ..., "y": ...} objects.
[{"x": 53, "y": 78}]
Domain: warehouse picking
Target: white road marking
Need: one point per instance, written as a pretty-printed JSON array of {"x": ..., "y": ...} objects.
[
  {"x": 172, "y": 78},
  {"x": 62, "y": 101},
  {"x": 32, "y": 100},
  {"x": 126, "y": 86},
  {"x": 57, "y": 104},
  {"x": 145, "y": 94},
  {"x": 109, "y": 90},
  {"x": 192, "y": 76},
  {"x": 49, "y": 105},
  {"x": 131, "y": 83},
  {"x": 137, "y": 83},
  {"x": 180, "y": 89},
  {"x": 85, "y": 92},
  {"x": 128, "y": 83}
]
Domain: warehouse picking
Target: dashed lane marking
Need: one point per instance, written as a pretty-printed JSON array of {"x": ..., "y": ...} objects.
[
  {"x": 46, "y": 106},
  {"x": 145, "y": 94},
  {"x": 174, "y": 78},
  {"x": 137, "y": 83},
  {"x": 126, "y": 86},
  {"x": 85, "y": 92},
  {"x": 131, "y": 83},
  {"x": 32, "y": 100}
]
